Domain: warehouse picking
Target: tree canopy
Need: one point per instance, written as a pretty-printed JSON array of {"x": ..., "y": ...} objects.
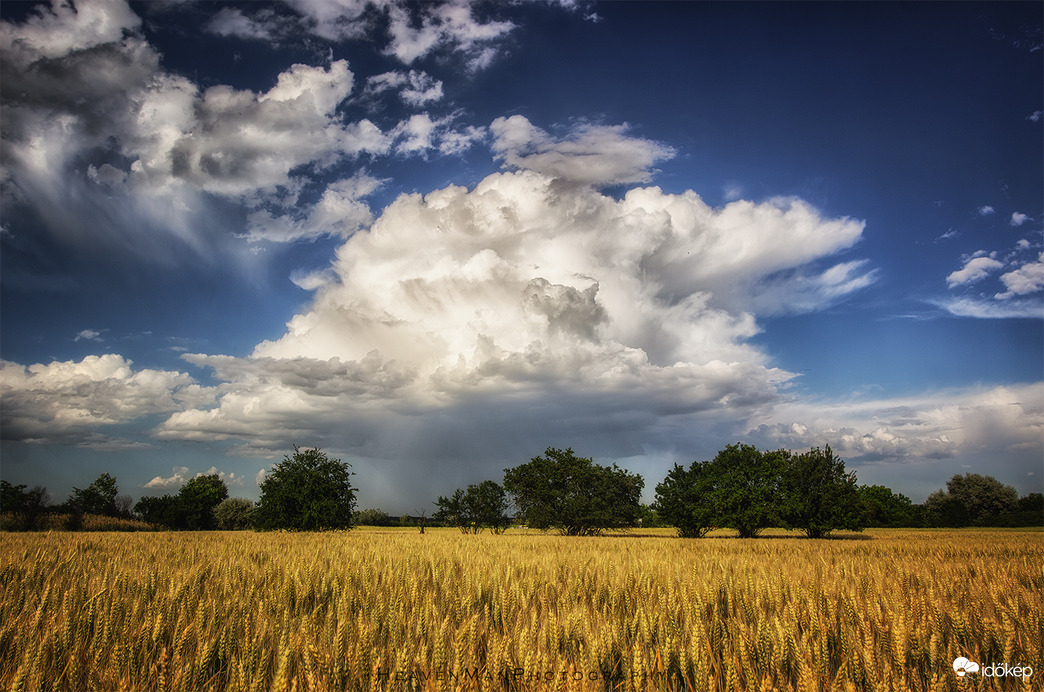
[
  {"x": 198, "y": 499},
  {"x": 747, "y": 488},
  {"x": 884, "y": 508},
  {"x": 818, "y": 496},
  {"x": 28, "y": 505},
  {"x": 97, "y": 498},
  {"x": 234, "y": 514},
  {"x": 971, "y": 499},
  {"x": 483, "y": 505},
  {"x": 307, "y": 491},
  {"x": 686, "y": 500},
  {"x": 573, "y": 494}
]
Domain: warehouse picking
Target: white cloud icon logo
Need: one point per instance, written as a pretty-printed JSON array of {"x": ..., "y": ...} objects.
[{"x": 962, "y": 666}]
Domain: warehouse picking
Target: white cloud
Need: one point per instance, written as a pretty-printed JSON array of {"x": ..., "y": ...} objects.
[
  {"x": 983, "y": 423},
  {"x": 418, "y": 30},
  {"x": 1029, "y": 278},
  {"x": 230, "y": 478},
  {"x": 414, "y": 88},
  {"x": 340, "y": 212},
  {"x": 1023, "y": 281},
  {"x": 337, "y": 20},
  {"x": 589, "y": 154},
  {"x": 239, "y": 141},
  {"x": 175, "y": 480},
  {"x": 1018, "y": 218},
  {"x": 523, "y": 309},
  {"x": 1034, "y": 116},
  {"x": 420, "y": 134},
  {"x": 67, "y": 99},
  {"x": 986, "y": 210},
  {"x": 62, "y": 28},
  {"x": 84, "y": 84},
  {"x": 414, "y": 135},
  {"x": 66, "y": 400},
  {"x": 993, "y": 309},
  {"x": 88, "y": 335},
  {"x": 976, "y": 268},
  {"x": 264, "y": 25}
]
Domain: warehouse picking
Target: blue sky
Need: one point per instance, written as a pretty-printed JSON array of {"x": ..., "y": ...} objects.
[{"x": 435, "y": 239}]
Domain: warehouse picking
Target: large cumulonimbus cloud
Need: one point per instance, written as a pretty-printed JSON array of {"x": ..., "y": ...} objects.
[
  {"x": 533, "y": 308},
  {"x": 469, "y": 328}
]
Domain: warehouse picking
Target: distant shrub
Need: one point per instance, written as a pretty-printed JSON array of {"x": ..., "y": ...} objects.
[
  {"x": 235, "y": 514},
  {"x": 373, "y": 517}
]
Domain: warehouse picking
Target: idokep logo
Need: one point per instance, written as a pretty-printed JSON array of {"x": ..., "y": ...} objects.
[{"x": 962, "y": 666}]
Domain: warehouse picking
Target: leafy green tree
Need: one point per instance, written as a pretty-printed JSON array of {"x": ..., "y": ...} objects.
[
  {"x": 307, "y": 491},
  {"x": 197, "y": 500},
  {"x": 972, "y": 499},
  {"x": 481, "y": 506},
  {"x": 373, "y": 517},
  {"x": 884, "y": 508},
  {"x": 1028, "y": 512},
  {"x": 747, "y": 488},
  {"x": 985, "y": 497},
  {"x": 164, "y": 510},
  {"x": 454, "y": 511},
  {"x": 573, "y": 494},
  {"x": 686, "y": 500},
  {"x": 27, "y": 505},
  {"x": 944, "y": 509},
  {"x": 98, "y": 498},
  {"x": 234, "y": 514},
  {"x": 818, "y": 495}
]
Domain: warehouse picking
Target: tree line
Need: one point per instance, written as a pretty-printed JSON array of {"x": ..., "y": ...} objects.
[{"x": 741, "y": 488}]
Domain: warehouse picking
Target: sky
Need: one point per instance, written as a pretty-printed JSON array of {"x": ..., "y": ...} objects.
[{"x": 435, "y": 239}]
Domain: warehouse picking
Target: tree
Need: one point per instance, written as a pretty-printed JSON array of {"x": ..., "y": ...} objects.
[
  {"x": 818, "y": 496},
  {"x": 1029, "y": 512},
  {"x": 307, "y": 491},
  {"x": 373, "y": 517},
  {"x": 97, "y": 498},
  {"x": 985, "y": 497},
  {"x": 479, "y": 507},
  {"x": 161, "y": 511},
  {"x": 27, "y": 505},
  {"x": 972, "y": 499},
  {"x": 234, "y": 514},
  {"x": 197, "y": 500},
  {"x": 685, "y": 500},
  {"x": 747, "y": 489},
  {"x": 456, "y": 512},
  {"x": 944, "y": 509},
  {"x": 883, "y": 508},
  {"x": 573, "y": 494}
]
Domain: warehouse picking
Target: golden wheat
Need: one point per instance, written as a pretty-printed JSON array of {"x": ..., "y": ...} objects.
[{"x": 396, "y": 610}]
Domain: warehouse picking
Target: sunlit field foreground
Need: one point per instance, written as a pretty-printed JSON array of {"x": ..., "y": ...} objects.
[{"x": 396, "y": 610}]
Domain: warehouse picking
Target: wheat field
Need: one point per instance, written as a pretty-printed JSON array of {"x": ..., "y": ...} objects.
[{"x": 388, "y": 609}]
